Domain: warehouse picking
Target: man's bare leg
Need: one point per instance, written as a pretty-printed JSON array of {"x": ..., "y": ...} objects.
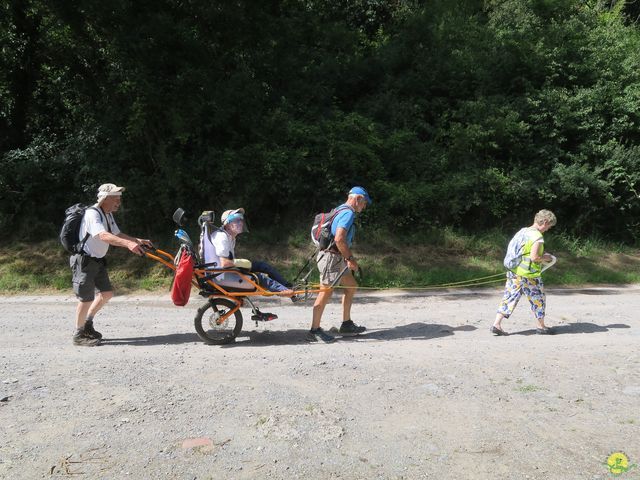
[
  {"x": 349, "y": 292},
  {"x": 319, "y": 305}
]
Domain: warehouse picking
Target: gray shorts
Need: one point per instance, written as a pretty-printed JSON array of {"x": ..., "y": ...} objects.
[
  {"x": 330, "y": 266},
  {"x": 88, "y": 275}
]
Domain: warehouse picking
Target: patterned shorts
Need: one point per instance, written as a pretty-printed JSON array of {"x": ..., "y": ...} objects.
[{"x": 516, "y": 286}]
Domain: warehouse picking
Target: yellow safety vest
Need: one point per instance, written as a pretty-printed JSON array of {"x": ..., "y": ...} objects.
[{"x": 527, "y": 268}]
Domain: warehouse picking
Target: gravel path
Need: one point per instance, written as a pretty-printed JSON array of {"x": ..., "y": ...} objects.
[{"x": 426, "y": 393}]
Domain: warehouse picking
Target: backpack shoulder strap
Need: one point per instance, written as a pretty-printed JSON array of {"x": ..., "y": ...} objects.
[
  {"x": 336, "y": 211},
  {"x": 80, "y": 248},
  {"x": 339, "y": 209},
  {"x": 83, "y": 242},
  {"x": 102, "y": 215}
]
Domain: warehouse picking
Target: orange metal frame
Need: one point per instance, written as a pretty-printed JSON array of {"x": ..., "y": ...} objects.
[{"x": 166, "y": 259}]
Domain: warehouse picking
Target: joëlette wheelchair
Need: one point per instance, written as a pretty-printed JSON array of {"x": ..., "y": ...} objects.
[{"x": 219, "y": 320}]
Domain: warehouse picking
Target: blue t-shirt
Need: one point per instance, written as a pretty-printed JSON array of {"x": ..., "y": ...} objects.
[{"x": 345, "y": 219}]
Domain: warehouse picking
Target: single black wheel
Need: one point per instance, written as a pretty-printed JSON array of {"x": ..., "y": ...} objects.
[{"x": 209, "y": 327}]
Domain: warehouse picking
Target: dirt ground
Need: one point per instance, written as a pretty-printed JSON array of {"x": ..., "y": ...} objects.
[{"x": 427, "y": 392}]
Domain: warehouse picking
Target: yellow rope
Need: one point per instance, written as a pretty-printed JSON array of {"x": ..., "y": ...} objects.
[
  {"x": 474, "y": 279},
  {"x": 461, "y": 284}
]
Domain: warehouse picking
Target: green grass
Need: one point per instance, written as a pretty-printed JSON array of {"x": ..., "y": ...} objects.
[{"x": 424, "y": 259}]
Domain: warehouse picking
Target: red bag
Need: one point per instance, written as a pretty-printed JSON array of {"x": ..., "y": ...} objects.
[{"x": 181, "y": 287}]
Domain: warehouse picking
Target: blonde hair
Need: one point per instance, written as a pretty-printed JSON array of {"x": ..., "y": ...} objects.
[{"x": 545, "y": 216}]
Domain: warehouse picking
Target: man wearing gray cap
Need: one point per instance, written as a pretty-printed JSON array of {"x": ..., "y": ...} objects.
[{"x": 98, "y": 230}]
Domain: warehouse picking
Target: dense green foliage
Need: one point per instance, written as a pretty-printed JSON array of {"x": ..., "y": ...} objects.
[{"x": 471, "y": 114}]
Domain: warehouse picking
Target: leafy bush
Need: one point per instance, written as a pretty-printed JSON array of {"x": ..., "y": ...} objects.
[{"x": 466, "y": 114}]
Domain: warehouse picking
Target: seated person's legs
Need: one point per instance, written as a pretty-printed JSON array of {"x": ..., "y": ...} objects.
[
  {"x": 270, "y": 284},
  {"x": 264, "y": 267}
]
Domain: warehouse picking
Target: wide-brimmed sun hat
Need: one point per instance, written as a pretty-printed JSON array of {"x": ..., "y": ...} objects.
[{"x": 108, "y": 190}]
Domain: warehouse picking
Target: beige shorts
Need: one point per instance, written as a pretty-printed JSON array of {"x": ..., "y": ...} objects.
[{"x": 330, "y": 266}]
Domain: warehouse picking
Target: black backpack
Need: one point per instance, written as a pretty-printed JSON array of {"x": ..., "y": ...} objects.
[
  {"x": 70, "y": 231},
  {"x": 321, "y": 235}
]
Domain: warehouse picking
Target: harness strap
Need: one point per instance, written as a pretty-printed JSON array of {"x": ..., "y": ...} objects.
[
  {"x": 332, "y": 246},
  {"x": 86, "y": 237}
]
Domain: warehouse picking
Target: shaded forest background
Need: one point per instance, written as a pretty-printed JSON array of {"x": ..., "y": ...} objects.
[{"x": 468, "y": 114}]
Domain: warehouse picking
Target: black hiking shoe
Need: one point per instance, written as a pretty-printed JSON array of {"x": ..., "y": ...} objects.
[
  {"x": 90, "y": 331},
  {"x": 82, "y": 339},
  {"x": 319, "y": 335},
  {"x": 349, "y": 328}
]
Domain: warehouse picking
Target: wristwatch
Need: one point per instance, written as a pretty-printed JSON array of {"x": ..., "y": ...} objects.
[{"x": 349, "y": 258}]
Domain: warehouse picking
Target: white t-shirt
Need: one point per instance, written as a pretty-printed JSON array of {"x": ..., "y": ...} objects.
[
  {"x": 93, "y": 223},
  {"x": 220, "y": 244}
]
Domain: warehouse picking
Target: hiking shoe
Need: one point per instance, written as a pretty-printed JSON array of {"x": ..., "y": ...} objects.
[
  {"x": 82, "y": 339},
  {"x": 319, "y": 335},
  {"x": 350, "y": 328},
  {"x": 92, "y": 332},
  {"x": 498, "y": 332}
]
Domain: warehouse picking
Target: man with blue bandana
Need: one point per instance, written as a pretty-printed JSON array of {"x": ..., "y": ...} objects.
[{"x": 333, "y": 261}]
